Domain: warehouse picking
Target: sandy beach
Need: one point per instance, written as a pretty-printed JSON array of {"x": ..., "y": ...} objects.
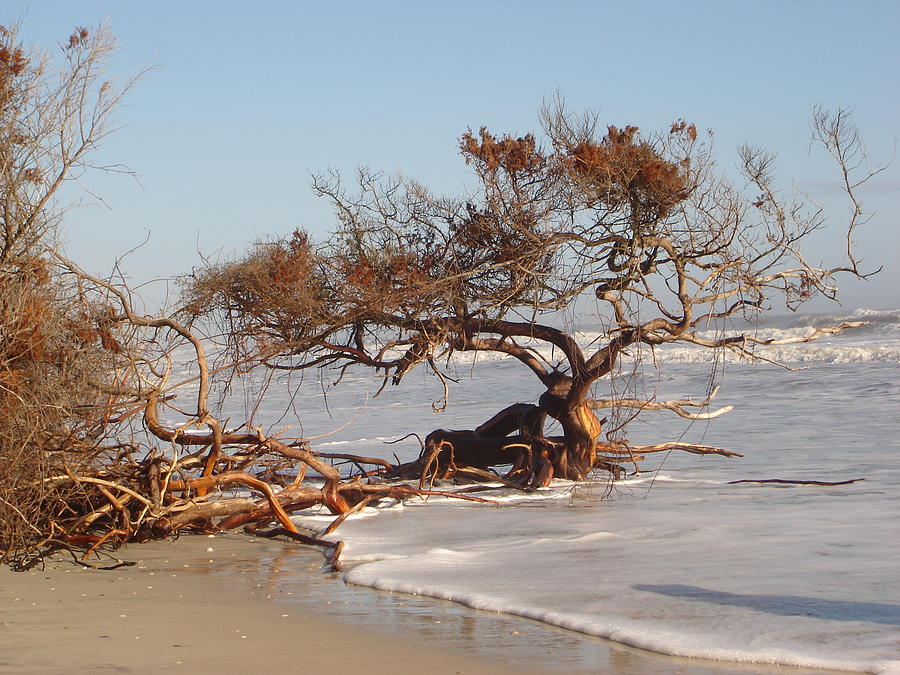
[
  {"x": 233, "y": 604},
  {"x": 169, "y": 614}
]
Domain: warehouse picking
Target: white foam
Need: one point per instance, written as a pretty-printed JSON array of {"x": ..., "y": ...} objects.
[
  {"x": 659, "y": 638},
  {"x": 604, "y": 582}
]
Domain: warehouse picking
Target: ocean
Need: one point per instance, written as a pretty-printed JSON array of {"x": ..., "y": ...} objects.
[{"x": 674, "y": 559}]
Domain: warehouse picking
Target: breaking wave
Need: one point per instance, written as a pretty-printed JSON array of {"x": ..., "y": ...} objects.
[{"x": 876, "y": 342}]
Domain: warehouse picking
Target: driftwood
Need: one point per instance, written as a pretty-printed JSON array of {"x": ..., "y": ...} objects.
[
  {"x": 193, "y": 488},
  {"x": 781, "y": 481},
  {"x": 79, "y": 362},
  {"x": 333, "y": 548},
  {"x": 692, "y": 448},
  {"x": 162, "y": 496}
]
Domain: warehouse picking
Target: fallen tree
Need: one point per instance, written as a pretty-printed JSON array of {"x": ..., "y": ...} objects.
[
  {"x": 670, "y": 251},
  {"x": 100, "y": 448},
  {"x": 84, "y": 375}
]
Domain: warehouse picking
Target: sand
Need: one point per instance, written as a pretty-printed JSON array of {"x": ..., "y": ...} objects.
[
  {"x": 237, "y": 604},
  {"x": 167, "y": 614}
]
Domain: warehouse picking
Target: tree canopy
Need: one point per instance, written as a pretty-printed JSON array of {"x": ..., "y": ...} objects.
[{"x": 644, "y": 223}]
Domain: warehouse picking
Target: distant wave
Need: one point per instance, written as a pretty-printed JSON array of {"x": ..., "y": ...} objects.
[
  {"x": 889, "y": 315},
  {"x": 877, "y": 342},
  {"x": 880, "y": 321},
  {"x": 790, "y": 354},
  {"x": 802, "y": 353}
]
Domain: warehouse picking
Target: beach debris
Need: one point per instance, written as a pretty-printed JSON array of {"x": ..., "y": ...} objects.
[{"x": 782, "y": 481}]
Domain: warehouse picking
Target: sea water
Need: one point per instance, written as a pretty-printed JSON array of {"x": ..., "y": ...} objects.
[{"x": 674, "y": 559}]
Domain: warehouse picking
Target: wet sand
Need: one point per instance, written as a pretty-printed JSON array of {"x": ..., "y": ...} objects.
[
  {"x": 236, "y": 604},
  {"x": 170, "y": 614}
]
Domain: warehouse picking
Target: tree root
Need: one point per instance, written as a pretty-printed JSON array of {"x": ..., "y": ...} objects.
[{"x": 159, "y": 496}]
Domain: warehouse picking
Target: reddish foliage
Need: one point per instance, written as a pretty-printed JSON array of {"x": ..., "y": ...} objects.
[
  {"x": 26, "y": 339},
  {"x": 108, "y": 342},
  {"x": 78, "y": 37},
  {"x": 291, "y": 263},
  {"x": 12, "y": 60},
  {"x": 33, "y": 272},
  {"x": 681, "y": 127},
  {"x": 513, "y": 155},
  {"x": 359, "y": 272},
  {"x": 392, "y": 281},
  {"x": 627, "y": 169},
  {"x": 82, "y": 329},
  {"x": 477, "y": 230}
]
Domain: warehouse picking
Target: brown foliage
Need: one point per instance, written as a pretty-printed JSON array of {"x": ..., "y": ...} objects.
[
  {"x": 370, "y": 283},
  {"x": 512, "y": 155},
  {"x": 623, "y": 169},
  {"x": 13, "y": 61},
  {"x": 51, "y": 417},
  {"x": 78, "y": 38},
  {"x": 276, "y": 291},
  {"x": 280, "y": 271},
  {"x": 498, "y": 253},
  {"x": 58, "y": 348}
]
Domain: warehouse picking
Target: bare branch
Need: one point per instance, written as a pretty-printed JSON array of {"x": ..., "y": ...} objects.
[{"x": 676, "y": 406}]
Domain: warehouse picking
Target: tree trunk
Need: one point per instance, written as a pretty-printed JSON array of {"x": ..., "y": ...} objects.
[
  {"x": 535, "y": 459},
  {"x": 581, "y": 428}
]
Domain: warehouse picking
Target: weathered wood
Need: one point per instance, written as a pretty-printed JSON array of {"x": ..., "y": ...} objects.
[
  {"x": 238, "y": 478},
  {"x": 522, "y": 418},
  {"x": 781, "y": 481},
  {"x": 692, "y": 448},
  {"x": 193, "y": 513},
  {"x": 471, "y": 448}
]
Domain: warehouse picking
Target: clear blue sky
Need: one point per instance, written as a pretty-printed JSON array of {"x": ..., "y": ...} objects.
[{"x": 248, "y": 98}]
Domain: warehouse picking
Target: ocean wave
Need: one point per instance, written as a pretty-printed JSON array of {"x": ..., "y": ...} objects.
[
  {"x": 880, "y": 315},
  {"x": 880, "y": 322},
  {"x": 789, "y": 354},
  {"x": 876, "y": 342},
  {"x": 800, "y": 353}
]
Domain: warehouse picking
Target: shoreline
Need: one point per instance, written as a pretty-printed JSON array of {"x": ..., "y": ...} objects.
[
  {"x": 227, "y": 602},
  {"x": 169, "y": 613}
]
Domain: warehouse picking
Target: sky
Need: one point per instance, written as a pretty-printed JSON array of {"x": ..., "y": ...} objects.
[{"x": 245, "y": 100}]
